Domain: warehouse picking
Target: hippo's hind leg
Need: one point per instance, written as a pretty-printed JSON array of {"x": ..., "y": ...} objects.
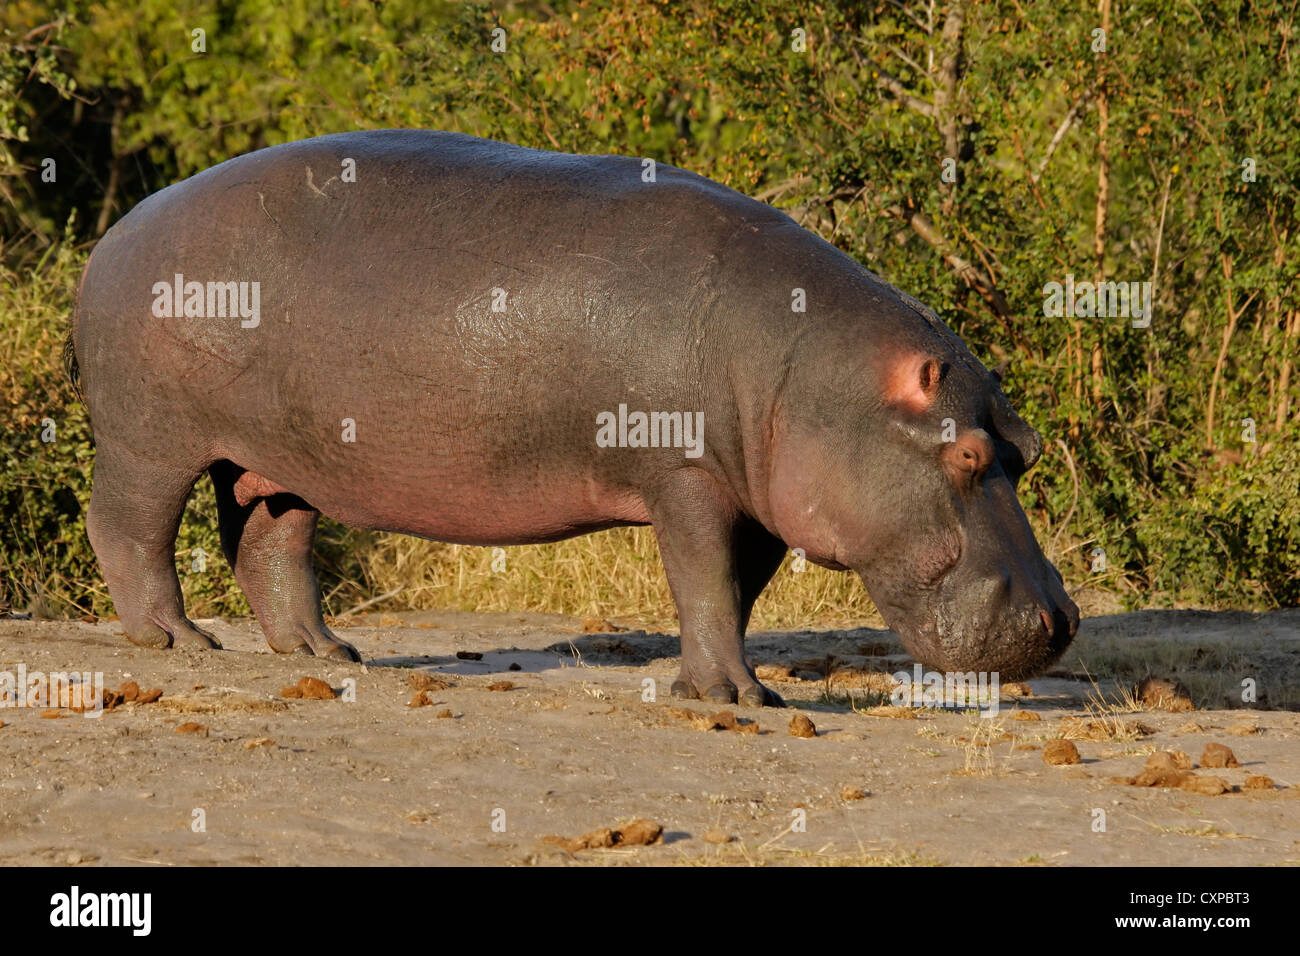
[
  {"x": 717, "y": 562},
  {"x": 268, "y": 541},
  {"x": 135, "y": 512}
]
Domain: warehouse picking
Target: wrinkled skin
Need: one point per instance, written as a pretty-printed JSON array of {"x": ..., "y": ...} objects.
[{"x": 823, "y": 430}]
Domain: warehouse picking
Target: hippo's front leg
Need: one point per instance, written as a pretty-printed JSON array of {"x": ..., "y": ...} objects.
[{"x": 717, "y": 561}]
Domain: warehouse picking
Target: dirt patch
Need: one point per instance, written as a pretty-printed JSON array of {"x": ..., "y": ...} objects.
[
  {"x": 221, "y": 700},
  {"x": 587, "y": 737}
]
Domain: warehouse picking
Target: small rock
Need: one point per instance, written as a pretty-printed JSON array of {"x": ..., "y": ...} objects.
[
  {"x": 514, "y": 666},
  {"x": 502, "y": 685},
  {"x": 420, "y": 698},
  {"x": 716, "y": 836},
  {"x": 725, "y": 720},
  {"x": 640, "y": 833},
  {"x": 1024, "y": 715},
  {"x": 1210, "y": 786},
  {"x": 1258, "y": 781},
  {"x": 1166, "y": 760},
  {"x": 1217, "y": 755},
  {"x": 1060, "y": 752},
  {"x": 469, "y": 655},
  {"x": 1163, "y": 694},
  {"x": 444, "y": 713},
  {"x": 422, "y": 680},
  {"x": 1164, "y": 777},
  {"x": 1017, "y": 689},
  {"x": 190, "y": 727},
  {"x": 313, "y": 688},
  {"x": 850, "y": 792},
  {"x": 636, "y": 833},
  {"x": 801, "y": 726},
  {"x": 258, "y": 742}
]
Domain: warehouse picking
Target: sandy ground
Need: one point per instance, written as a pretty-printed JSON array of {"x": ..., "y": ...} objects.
[{"x": 573, "y": 747}]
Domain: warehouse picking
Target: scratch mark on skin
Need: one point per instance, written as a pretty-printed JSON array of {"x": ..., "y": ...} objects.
[
  {"x": 195, "y": 346},
  {"x": 261, "y": 199},
  {"x": 586, "y": 255},
  {"x": 506, "y": 265},
  {"x": 448, "y": 199},
  {"x": 231, "y": 381},
  {"x": 313, "y": 187}
]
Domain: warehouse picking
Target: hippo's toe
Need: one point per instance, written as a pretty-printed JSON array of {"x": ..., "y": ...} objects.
[
  {"x": 760, "y": 696},
  {"x": 313, "y": 640},
  {"x": 341, "y": 651},
  {"x": 174, "y": 635},
  {"x": 745, "y": 690},
  {"x": 724, "y": 693},
  {"x": 684, "y": 689}
]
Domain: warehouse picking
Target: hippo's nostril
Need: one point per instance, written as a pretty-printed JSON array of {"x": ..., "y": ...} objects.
[{"x": 1047, "y": 621}]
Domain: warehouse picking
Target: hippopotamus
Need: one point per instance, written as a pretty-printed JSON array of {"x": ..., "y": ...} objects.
[{"x": 475, "y": 342}]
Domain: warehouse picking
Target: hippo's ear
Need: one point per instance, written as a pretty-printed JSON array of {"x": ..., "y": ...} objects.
[
  {"x": 912, "y": 381},
  {"x": 1012, "y": 428}
]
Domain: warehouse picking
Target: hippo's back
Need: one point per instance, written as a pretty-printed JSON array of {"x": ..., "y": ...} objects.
[
  {"x": 467, "y": 305},
  {"x": 402, "y": 246}
]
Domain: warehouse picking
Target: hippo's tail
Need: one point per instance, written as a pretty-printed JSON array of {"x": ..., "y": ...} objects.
[{"x": 70, "y": 368}]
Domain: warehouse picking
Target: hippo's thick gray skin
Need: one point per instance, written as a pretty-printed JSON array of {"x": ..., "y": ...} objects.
[{"x": 823, "y": 429}]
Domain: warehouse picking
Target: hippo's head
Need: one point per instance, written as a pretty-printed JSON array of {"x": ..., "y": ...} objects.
[{"x": 904, "y": 469}]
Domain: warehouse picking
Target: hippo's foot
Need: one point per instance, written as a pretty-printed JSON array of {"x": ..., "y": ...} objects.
[
  {"x": 317, "y": 641},
  {"x": 134, "y": 510},
  {"x": 184, "y": 633},
  {"x": 267, "y": 534},
  {"x": 748, "y": 692}
]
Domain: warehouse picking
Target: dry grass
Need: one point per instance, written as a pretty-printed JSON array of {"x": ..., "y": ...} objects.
[{"x": 615, "y": 574}]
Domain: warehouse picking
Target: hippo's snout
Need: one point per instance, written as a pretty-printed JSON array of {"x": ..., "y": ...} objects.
[{"x": 984, "y": 632}]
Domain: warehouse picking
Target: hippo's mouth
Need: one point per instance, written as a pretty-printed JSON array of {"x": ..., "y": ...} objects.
[{"x": 1021, "y": 648}]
